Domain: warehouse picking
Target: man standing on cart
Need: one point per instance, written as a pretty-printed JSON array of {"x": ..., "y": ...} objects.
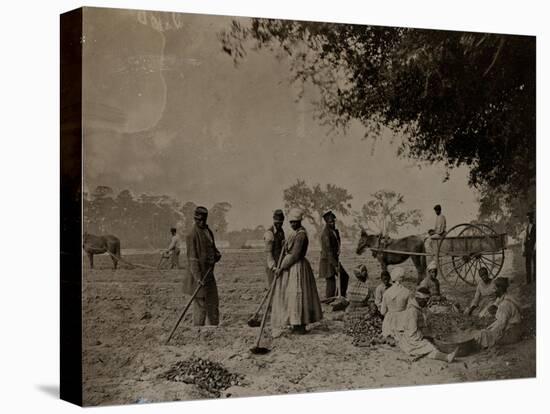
[{"x": 436, "y": 233}]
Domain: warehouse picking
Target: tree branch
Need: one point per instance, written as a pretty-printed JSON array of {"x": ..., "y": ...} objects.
[{"x": 495, "y": 57}]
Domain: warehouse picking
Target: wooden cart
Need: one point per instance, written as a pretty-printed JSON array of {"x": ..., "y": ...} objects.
[{"x": 466, "y": 248}]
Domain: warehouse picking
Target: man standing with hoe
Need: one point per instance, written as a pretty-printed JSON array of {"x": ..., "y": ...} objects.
[
  {"x": 274, "y": 239},
  {"x": 202, "y": 255},
  {"x": 329, "y": 265}
]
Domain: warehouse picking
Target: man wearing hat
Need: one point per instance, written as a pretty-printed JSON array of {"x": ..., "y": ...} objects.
[
  {"x": 411, "y": 330},
  {"x": 529, "y": 248},
  {"x": 174, "y": 249},
  {"x": 507, "y": 327},
  {"x": 202, "y": 255},
  {"x": 329, "y": 264},
  {"x": 430, "y": 281},
  {"x": 274, "y": 239}
]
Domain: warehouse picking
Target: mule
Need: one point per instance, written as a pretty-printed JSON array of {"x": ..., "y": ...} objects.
[
  {"x": 413, "y": 244},
  {"x": 102, "y": 244}
]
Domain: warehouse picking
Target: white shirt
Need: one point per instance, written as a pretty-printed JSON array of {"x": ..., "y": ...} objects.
[
  {"x": 175, "y": 242},
  {"x": 440, "y": 224}
]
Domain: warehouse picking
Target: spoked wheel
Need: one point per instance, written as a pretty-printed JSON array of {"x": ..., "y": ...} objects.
[{"x": 465, "y": 249}]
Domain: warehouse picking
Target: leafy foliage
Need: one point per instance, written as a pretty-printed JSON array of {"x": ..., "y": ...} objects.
[
  {"x": 458, "y": 98},
  {"x": 384, "y": 213},
  {"x": 315, "y": 200},
  {"x": 145, "y": 221}
]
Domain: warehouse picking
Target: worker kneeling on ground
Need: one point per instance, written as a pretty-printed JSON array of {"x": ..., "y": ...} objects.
[
  {"x": 432, "y": 284},
  {"x": 359, "y": 294},
  {"x": 507, "y": 328},
  {"x": 411, "y": 329},
  {"x": 485, "y": 294},
  {"x": 394, "y": 300}
]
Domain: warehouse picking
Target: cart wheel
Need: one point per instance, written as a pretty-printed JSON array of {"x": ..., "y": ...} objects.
[
  {"x": 494, "y": 259},
  {"x": 465, "y": 249}
]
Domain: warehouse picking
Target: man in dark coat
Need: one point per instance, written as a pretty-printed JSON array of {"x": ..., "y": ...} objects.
[
  {"x": 529, "y": 248},
  {"x": 274, "y": 239},
  {"x": 202, "y": 255},
  {"x": 329, "y": 265}
]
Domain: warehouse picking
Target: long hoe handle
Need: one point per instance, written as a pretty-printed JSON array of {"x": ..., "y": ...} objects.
[
  {"x": 254, "y": 316},
  {"x": 270, "y": 294},
  {"x": 264, "y": 317},
  {"x": 199, "y": 287}
]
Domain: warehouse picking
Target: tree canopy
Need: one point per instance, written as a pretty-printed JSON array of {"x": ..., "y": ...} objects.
[
  {"x": 384, "y": 213},
  {"x": 458, "y": 98},
  {"x": 145, "y": 221},
  {"x": 315, "y": 200}
]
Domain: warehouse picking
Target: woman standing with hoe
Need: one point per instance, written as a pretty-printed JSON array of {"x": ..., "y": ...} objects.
[{"x": 295, "y": 299}]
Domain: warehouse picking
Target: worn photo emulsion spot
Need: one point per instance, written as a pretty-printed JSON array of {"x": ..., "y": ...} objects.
[{"x": 257, "y": 207}]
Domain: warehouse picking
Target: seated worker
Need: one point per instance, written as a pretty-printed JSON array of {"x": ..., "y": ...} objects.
[
  {"x": 358, "y": 293},
  {"x": 411, "y": 329},
  {"x": 507, "y": 328},
  {"x": 394, "y": 300},
  {"x": 485, "y": 294},
  {"x": 431, "y": 283},
  {"x": 381, "y": 288}
]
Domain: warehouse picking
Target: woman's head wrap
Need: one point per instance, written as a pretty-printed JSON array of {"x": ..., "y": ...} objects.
[{"x": 397, "y": 274}]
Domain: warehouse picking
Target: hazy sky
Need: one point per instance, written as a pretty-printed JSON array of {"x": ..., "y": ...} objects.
[{"x": 166, "y": 112}]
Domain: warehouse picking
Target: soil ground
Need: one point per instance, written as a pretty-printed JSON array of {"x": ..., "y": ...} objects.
[{"x": 128, "y": 314}]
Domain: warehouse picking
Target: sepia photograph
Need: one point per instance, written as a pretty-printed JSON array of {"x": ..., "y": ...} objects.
[{"x": 275, "y": 206}]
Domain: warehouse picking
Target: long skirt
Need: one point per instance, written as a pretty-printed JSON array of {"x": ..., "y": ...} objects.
[
  {"x": 413, "y": 346},
  {"x": 390, "y": 322},
  {"x": 295, "y": 299}
]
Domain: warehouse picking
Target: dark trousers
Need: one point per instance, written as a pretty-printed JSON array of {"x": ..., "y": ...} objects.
[
  {"x": 530, "y": 266},
  {"x": 207, "y": 306},
  {"x": 331, "y": 284}
]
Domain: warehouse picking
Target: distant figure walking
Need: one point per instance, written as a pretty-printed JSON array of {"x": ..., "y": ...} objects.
[
  {"x": 274, "y": 238},
  {"x": 174, "y": 249},
  {"x": 93, "y": 244},
  {"x": 295, "y": 299},
  {"x": 202, "y": 255}
]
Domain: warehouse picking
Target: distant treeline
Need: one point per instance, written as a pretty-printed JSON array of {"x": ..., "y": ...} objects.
[{"x": 144, "y": 221}]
